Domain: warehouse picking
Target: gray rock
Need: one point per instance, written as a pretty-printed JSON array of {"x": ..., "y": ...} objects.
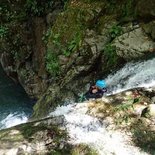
[
  {"x": 133, "y": 44},
  {"x": 151, "y": 109}
]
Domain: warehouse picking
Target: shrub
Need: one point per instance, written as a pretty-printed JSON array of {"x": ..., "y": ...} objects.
[
  {"x": 110, "y": 53},
  {"x": 115, "y": 31},
  {"x": 52, "y": 64},
  {"x": 3, "y": 31}
]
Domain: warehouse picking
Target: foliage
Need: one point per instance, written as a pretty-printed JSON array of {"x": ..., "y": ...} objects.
[
  {"x": 46, "y": 36},
  {"x": 3, "y": 31},
  {"x": 125, "y": 115},
  {"x": 37, "y": 7},
  {"x": 82, "y": 97},
  {"x": 110, "y": 53},
  {"x": 83, "y": 149},
  {"x": 72, "y": 45},
  {"x": 52, "y": 64},
  {"x": 111, "y": 5},
  {"x": 124, "y": 107},
  {"x": 143, "y": 135},
  {"x": 109, "y": 49},
  {"x": 115, "y": 31},
  {"x": 56, "y": 39},
  {"x": 128, "y": 9}
]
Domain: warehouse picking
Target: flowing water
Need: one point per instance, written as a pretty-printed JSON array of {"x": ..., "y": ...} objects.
[
  {"x": 86, "y": 129},
  {"x": 15, "y": 106},
  {"x": 132, "y": 75}
]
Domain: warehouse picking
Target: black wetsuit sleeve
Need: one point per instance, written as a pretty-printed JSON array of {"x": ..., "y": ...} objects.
[{"x": 98, "y": 94}]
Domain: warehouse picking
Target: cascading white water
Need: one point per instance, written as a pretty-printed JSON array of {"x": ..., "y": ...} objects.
[
  {"x": 85, "y": 129},
  {"x": 89, "y": 130},
  {"x": 132, "y": 75},
  {"x": 15, "y": 106},
  {"x": 13, "y": 119}
]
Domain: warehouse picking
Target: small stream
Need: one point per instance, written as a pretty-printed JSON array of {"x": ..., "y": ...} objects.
[{"x": 15, "y": 105}]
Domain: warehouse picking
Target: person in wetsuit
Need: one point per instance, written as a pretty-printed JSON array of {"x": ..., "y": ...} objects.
[{"x": 97, "y": 90}]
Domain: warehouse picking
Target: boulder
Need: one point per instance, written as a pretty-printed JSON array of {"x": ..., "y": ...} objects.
[
  {"x": 133, "y": 44},
  {"x": 151, "y": 110}
]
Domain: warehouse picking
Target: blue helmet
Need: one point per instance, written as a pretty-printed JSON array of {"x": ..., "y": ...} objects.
[{"x": 101, "y": 84}]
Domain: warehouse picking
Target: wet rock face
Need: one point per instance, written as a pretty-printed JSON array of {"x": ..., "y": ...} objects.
[
  {"x": 32, "y": 74},
  {"x": 23, "y": 49},
  {"x": 6, "y": 62},
  {"x": 79, "y": 70},
  {"x": 133, "y": 44}
]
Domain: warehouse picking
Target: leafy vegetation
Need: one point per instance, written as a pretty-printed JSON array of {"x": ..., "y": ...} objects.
[
  {"x": 115, "y": 31},
  {"x": 110, "y": 50},
  {"x": 46, "y": 36},
  {"x": 128, "y": 9},
  {"x": 143, "y": 136},
  {"x": 125, "y": 116},
  {"x": 37, "y": 7},
  {"x": 3, "y": 31},
  {"x": 83, "y": 149},
  {"x": 110, "y": 53},
  {"x": 52, "y": 64},
  {"x": 72, "y": 45}
]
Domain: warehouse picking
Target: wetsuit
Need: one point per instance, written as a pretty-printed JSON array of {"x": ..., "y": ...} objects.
[{"x": 96, "y": 95}]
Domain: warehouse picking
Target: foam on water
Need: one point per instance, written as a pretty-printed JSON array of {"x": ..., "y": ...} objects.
[
  {"x": 12, "y": 120},
  {"x": 83, "y": 128},
  {"x": 15, "y": 105},
  {"x": 132, "y": 75},
  {"x": 86, "y": 129}
]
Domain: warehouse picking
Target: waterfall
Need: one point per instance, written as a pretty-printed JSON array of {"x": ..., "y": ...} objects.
[
  {"x": 83, "y": 128},
  {"x": 15, "y": 106},
  {"x": 132, "y": 75}
]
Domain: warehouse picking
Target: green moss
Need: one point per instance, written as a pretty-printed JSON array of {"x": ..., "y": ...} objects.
[
  {"x": 143, "y": 136},
  {"x": 83, "y": 149},
  {"x": 52, "y": 64},
  {"x": 28, "y": 130},
  {"x": 103, "y": 21},
  {"x": 68, "y": 32},
  {"x": 3, "y": 31},
  {"x": 80, "y": 149},
  {"x": 115, "y": 31},
  {"x": 128, "y": 9},
  {"x": 111, "y": 55},
  {"x": 123, "y": 9}
]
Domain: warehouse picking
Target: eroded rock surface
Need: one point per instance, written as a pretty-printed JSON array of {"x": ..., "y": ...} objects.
[{"x": 134, "y": 44}]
